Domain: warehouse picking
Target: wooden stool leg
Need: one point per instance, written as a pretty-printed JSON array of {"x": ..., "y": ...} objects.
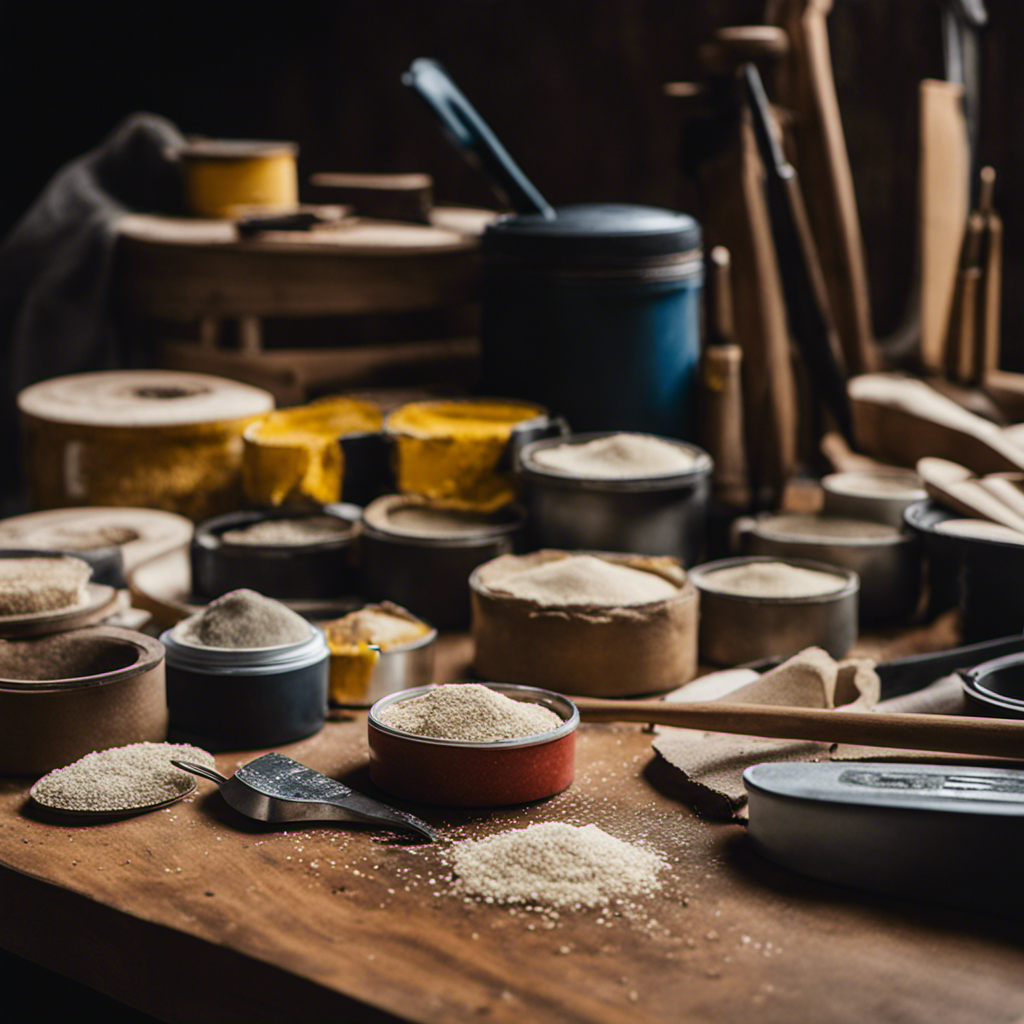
[{"x": 250, "y": 334}]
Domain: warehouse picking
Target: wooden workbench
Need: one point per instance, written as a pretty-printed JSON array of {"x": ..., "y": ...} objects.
[{"x": 196, "y": 914}]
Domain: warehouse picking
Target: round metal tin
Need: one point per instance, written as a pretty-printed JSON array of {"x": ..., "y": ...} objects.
[{"x": 457, "y": 773}]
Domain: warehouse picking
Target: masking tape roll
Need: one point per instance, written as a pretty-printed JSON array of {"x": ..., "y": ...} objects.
[
  {"x": 222, "y": 176},
  {"x": 451, "y": 451},
  {"x": 149, "y": 438},
  {"x": 293, "y": 456}
]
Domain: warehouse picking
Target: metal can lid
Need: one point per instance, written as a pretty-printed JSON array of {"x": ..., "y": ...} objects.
[{"x": 596, "y": 231}]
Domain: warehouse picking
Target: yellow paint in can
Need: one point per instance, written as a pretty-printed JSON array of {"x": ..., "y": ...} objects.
[
  {"x": 222, "y": 177},
  {"x": 292, "y": 456},
  {"x": 451, "y": 451}
]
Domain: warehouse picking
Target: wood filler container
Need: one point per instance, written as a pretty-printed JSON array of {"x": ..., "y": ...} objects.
[
  {"x": 421, "y": 556},
  {"x": 153, "y": 438},
  {"x": 886, "y": 559},
  {"x": 617, "y": 492},
  {"x": 65, "y": 695},
  {"x": 595, "y": 624},
  {"x": 460, "y": 773},
  {"x": 461, "y": 452},
  {"x": 67, "y": 685},
  {"x": 378, "y": 650},
  {"x": 291, "y": 555},
  {"x": 765, "y": 607}
]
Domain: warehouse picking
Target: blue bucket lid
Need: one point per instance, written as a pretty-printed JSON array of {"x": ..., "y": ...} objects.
[{"x": 595, "y": 232}]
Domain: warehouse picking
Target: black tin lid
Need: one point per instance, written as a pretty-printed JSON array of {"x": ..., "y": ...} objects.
[{"x": 595, "y": 232}]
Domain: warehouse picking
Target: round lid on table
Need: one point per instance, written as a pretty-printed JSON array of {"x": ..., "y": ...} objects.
[{"x": 596, "y": 231}]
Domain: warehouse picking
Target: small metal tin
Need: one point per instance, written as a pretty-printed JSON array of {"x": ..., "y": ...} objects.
[
  {"x": 740, "y": 628},
  {"x": 429, "y": 575},
  {"x": 246, "y": 698},
  {"x": 322, "y": 570},
  {"x": 995, "y": 689},
  {"x": 112, "y": 693},
  {"x": 457, "y": 773},
  {"x": 880, "y": 497},
  {"x": 889, "y": 567},
  {"x": 652, "y": 515},
  {"x": 397, "y": 668},
  {"x": 983, "y": 575}
]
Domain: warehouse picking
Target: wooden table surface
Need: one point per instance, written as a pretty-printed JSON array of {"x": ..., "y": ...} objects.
[{"x": 195, "y": 914}]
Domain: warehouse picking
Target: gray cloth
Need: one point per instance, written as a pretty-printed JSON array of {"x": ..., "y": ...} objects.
[{"x": 55, "y": 265}]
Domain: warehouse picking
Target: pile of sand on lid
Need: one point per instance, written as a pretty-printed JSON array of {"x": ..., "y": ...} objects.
[
  {"x": 617, "y": 457},
  {"x": 583, "y": 580},
  {"x": 555, "y": 864},
  {"x": 242, "y": 619},
  {"x": 469, "y": 712},
  {"x": 43, "y": 584}
]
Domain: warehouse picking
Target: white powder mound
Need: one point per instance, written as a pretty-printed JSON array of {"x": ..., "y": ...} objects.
[
  {"x": 980, "y": 529},
  {"x": 29, "y": 585},
  {"x": 121, "y": 779},
  {"x": 797, "y": 527},
  {"x": 556, "y": 865},
  {"x": 469, "y": 711},
  {"x": 243, "y": 619},
  {"x": 422, "y": 521},
  {"x": 618, "y": 457},
  {"x": 773, "y": 579},
  {"x": 585, "y": 580},
  {"x": 288, "y": 532}
]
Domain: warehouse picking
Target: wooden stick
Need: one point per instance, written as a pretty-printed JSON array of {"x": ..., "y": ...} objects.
[{"x": 986, "y": 737}]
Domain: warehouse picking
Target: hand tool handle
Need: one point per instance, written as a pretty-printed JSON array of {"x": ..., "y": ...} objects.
[
  {"x": 986, "y": 737},
  {"x": 471, "y": 134}
]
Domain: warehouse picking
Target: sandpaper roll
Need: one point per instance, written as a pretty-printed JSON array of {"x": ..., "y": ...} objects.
[{"x": 151, "y": 438}]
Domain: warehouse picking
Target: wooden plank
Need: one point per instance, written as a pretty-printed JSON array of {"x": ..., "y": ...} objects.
[
  {"x": 194, "y": 914},
  {"x": 943, "y": 208}
]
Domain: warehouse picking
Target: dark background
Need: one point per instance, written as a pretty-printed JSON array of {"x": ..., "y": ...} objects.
[{"x": 572, "y": 87}]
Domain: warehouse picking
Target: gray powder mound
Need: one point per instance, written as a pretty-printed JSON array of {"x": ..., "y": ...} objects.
[
  {"x": 243, "y": 619},
  {"x": 797, "y": 527},
  {"x": 121, "y": 779},
  {"x": 582, "y": 580},
  {"x": 289, "y": 532},
  {"x": 554, "y": 864},
  {"x": 470, "y": 712},
  {"x": 618, "y": 457},
  {"x": 773, "y": 579},
  {"x": 30, "y": 585}
]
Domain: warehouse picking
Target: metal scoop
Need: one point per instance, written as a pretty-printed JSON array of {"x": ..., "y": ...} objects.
[{"x": 277, "y": 788}]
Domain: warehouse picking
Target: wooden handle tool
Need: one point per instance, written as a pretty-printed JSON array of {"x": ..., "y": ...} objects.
[
  {"x": 806, "y": 86},
  {"x": 986, "y": 737},
  {"x": 958, "y": 488}
]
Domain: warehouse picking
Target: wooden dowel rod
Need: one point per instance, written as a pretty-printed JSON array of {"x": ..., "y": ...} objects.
[{"x": 986, "y": 737}]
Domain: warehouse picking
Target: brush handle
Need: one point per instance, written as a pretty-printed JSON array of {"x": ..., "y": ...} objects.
[{"x": 953, "y": 734}]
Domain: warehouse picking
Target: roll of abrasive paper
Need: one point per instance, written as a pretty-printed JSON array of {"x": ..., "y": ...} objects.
[{"x": 150, "y": 438}]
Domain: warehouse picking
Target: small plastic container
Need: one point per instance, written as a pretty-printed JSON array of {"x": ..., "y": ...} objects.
[
  {"x": 246, "y": 698},
  {"x": 458, "y": 773}
]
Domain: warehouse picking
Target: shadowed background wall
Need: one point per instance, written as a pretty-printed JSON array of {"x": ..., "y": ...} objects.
[{"x": 572, "y": 87}]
